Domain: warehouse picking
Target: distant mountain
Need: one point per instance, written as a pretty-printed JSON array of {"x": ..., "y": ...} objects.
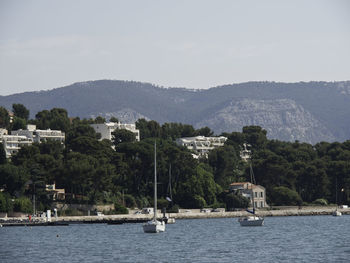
[{"x": 304, "y": 111}]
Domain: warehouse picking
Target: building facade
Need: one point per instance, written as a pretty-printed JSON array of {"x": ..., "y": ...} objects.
[
  {"x": 106, "y": 129},
  {"x": 201, "y": 145},
  {"x": 252, "y": 192},
  {"x": 54, "y": 193},
  {"x": 19, "y": 138},
  {"x": 12, "y": 143},
  {"x": 40, "y": 136},
  {"x": 245, "y": 153}
]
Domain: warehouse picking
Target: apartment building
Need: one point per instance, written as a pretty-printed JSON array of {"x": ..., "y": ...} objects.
[
  {"x": 12, "y": 143},
  {"x": 40, "y": 136},
  {"x": 201, "y": 145},
  {"x": 19, "y": 138},
  {"x": 106, "y": 129}
]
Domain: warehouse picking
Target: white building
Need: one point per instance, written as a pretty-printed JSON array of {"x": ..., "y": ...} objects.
[
  {"x": 252, "y": 192},
  {"x": 12, "y": 143},
  {"x": 40, "y": 135},
  {"x": 245, "y": 153},
  {"x": 201, "y": 145},
  {"x": 106, "y": 129},
  {"x": 3, "y": 132}
]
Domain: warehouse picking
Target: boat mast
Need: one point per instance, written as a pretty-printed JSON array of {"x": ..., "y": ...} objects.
[
  {"x": 336, "y": 191},
  {"x": 155, "y": 182},
  {"x": 170, "y": 193},
  {"x": 251, "y": 182}
]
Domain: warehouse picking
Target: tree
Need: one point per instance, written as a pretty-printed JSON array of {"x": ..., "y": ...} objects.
[
  {"x": 226, "y": 165},
  {"x": 4, "y": 118},
  {"x": 78, "y": 172},
  {"x": 148, "y": 129},
  {"x": 42, "y": 119},
  {"x": 188, "y": 131},
  {"x": 100, "y": 120},
  {"x": 154, "y": 129},
  {"x": 20, "y": 111},
  {"x": 23, "y": 204},
  {"x": 255, "y": 135},
  {"x": 13, "y": 178},
  {"x": 18, "y": 124},
  {"x": 25, "y": 157},
  {"x": 284, "y": 196},
  {"x": 122, "y": 135},
  {"x": 80, "y": 130},
  {"x": 171, "y": 131},
  {"x": 113, "y": 119},
  {"x": 235, "y": 200},
  {"x": 198, "y": 189},
  {"x": 204, "y": 132},
  {"x": 120, "y": 209},
  {"x": 55, "y": 119},
  {"x": 91, "y": 146},
  {"x": 3, "y": 158},
  {"x": 5, "y": 202},
  {"x": 59, "y": 119}
]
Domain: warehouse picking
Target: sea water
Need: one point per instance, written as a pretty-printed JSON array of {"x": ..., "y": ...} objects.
[{"x": 281, "y": 239}]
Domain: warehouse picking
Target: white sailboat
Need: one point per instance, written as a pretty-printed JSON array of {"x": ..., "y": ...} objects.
[
  {"x": 154, "y": 226},
  {"x": 252, "y": 220}
]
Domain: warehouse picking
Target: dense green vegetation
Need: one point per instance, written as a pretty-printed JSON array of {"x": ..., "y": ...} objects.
[{"x": 94, "y": 172}]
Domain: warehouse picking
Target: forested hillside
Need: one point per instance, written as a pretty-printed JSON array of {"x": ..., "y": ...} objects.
[{"x": 91, "y": 171}]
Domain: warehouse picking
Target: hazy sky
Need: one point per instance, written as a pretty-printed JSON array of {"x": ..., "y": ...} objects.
[{"x": 172, "y": 43}]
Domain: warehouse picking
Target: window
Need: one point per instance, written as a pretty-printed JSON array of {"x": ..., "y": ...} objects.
[
  {"x": 261, "y": 204},
  {"x": 256, "y": 204},
  {"x": 255, "y": 194},
  {"x": 261, "y": 194}
]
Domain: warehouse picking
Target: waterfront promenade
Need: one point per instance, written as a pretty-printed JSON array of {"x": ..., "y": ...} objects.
[{"x": 183, "y": 214}]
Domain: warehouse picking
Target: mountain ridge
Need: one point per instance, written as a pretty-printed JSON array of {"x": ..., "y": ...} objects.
[{"x": 313, "y": 111}]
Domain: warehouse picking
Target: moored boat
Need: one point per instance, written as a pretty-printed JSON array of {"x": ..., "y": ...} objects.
[
  {"x": 336, "y": 213},
  {"x": 154, "y": 226},
  {"x": 252, "y": 220}
]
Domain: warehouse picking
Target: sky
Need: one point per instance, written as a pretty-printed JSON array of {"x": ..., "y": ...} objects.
[{"x": 195, "y": 44}]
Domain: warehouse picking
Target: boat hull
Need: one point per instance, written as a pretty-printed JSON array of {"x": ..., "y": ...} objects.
[
  {"x": 171, "y": 220},
  {"x": 154, "y": 227},
  {"x": 336, "y": 213},
  {"x": 251, "y": 221}
]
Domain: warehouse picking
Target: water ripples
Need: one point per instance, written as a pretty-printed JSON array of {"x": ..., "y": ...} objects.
[{"x": 282, "y": 239}]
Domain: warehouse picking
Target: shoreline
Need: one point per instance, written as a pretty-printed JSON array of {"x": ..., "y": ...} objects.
[{"x": 193, "y": 214}]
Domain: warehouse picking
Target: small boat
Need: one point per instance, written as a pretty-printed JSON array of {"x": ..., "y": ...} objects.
[
  {"x": 252, "y": 220},
  {"x": 171, "y": 220},
  {"x": 168, "y": 220},
  {"x": 154, "y": 226},
  {"x": 336, "y": 213}
]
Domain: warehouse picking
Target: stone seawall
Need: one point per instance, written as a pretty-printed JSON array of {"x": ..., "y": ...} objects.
[{"x": 188, "y": 214}]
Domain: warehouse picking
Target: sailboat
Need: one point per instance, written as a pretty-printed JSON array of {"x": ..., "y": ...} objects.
[
  {"x": 252, "y": 220},
  {"x": 336, "y": 212},
  {"x": 154, "y": 226},
  {"x": 168, "y": 219}
]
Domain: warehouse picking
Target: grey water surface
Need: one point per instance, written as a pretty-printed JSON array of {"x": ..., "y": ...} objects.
[{"x": 281, "y": 239}]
